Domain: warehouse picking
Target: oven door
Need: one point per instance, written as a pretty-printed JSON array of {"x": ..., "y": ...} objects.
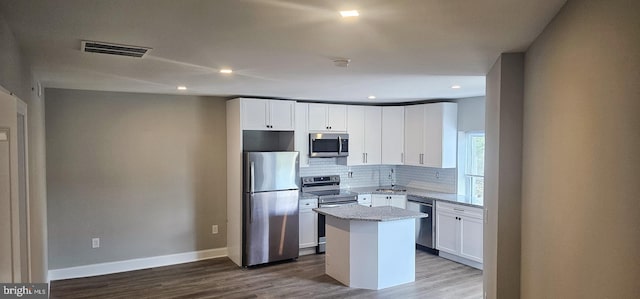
[
  {"x": 322, "y": 237},
  {"x": 328, "y": 145}
]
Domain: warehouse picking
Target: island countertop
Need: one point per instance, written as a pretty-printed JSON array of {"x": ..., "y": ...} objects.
[{"x": 358, "y": 212}]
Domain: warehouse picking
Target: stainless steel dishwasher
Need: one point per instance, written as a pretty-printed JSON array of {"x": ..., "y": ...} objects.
[{"x": 425, "y": 227}]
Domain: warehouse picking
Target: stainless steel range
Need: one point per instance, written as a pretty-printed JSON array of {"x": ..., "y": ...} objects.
[{"x": 327, "y": 188}]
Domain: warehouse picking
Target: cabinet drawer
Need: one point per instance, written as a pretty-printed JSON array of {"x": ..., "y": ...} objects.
[
  {"x": 308, "y": 204},
  {"x": 459, "y": 209}
]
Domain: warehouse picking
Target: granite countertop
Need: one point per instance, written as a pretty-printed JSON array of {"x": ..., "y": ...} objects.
[
  {"x": 304, "y": 195},
  {"x": 358, "y": 212},
  {"x": 441, "y": 196}
]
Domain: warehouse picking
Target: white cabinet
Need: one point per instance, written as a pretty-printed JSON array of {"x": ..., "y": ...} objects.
[
  {"x": 364, "y": 199},
  {"x": 301, "y": 136},
  {"x": 308, "y": 232},
  {"x": 392, "y": 149},
  {"x": 459, "y": 230},
  {"x": 364, "y": 128},
  {"x": 327, "y": 117},
  {"x": 398, "y": 201},
  {"x": 269, "y": 115},
  {"x": 431, "y": 135}
]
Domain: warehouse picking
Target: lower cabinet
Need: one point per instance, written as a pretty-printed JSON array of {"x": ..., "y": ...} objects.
[
  {"x": 364, "y": 199},
  {"x": 398, "y": 201},
  {"x": 308, "y": 230},
  {"x": 459, "y": 230}
]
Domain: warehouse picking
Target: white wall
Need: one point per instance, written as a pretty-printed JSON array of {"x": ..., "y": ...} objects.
[{"x": 581, "y": 191}]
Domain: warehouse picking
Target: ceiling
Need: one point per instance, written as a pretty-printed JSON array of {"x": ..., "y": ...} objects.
[{"x": 400, "y": 50}]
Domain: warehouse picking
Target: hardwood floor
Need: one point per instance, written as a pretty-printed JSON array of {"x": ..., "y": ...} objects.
[{"x": 305, "y": 278}]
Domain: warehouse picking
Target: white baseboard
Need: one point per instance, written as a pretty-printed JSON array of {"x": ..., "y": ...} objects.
[
  {"x": 135, "y": 264},
  {"x": 307, "y": 251},
  {"x": 461, "y": 260}
]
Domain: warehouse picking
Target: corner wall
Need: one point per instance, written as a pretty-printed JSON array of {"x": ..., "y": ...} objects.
[
  {"x": 145, "y": 173},
  {"x": 581, "y": 196},
  {"x": 16, "y": 77}
]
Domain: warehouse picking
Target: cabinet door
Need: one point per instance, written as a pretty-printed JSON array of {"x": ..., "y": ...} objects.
[
  {"x": 255, "y": 114},
  {"x": 392, "y": 135},
  {"x": 301, "y": 135},
  {"x": 413, "y": 132},
  {"x": 471, "y": 238},
  {"x": 364, "y": 199},
  {"x": 355, "y": 128},
  {"x": 337, "y": 117},
  {"x": 282, "y": 115},
  {"x": 318, "y": 117},
  {"x": 398, "y": 201},
  {"x": 379, "y": 200},
  {"x": 446, "y": 232},
  {"x": 372, "y": 134},
  {"x": 308, "y": 228},
  {"x": 440, "y": 135}
]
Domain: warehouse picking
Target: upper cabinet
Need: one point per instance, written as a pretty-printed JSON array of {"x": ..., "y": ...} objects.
[
  {"x": 327, "y": 117},
  {"x": 269, "y": 115},
  {"x": 301, "y": 136},
  {"x": 430, "y": 135},
  {"x": 393, "y": 135},
  {"x": 364, "y": 124}
]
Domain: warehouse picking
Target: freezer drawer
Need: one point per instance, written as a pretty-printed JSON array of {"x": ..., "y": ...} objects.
[{"x": 270, "y": 227}]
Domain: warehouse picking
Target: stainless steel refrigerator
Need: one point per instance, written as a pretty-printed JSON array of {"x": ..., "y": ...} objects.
[{"x": 270, "y": 204}]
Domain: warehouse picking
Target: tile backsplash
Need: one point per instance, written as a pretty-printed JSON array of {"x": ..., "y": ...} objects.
[{"x": 436, "y": 179}]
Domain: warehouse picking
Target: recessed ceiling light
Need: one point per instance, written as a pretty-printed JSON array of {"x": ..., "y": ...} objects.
[
  {"x": 456, "y": 86},
  {"x": 349, "y": 13},
  {"x": 226, "y": 71},
  {"x": 371, "y": 97},
  {"x": 182, "y": 88}
]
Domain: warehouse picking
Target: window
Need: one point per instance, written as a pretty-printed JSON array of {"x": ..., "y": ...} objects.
[
  {"x": 474, "y": 170},
  {"x": 471, "y": 163}
]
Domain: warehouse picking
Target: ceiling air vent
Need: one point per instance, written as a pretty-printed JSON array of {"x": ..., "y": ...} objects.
[{"x": 114, "y": 49}]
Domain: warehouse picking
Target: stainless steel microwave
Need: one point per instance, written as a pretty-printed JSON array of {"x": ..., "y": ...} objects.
[{"x": 328, "y": 145}]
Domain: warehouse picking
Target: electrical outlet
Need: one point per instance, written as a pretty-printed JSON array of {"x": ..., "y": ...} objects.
[
  {"x": 214, "y": 229},
  {"x": 95, "y": 243}
]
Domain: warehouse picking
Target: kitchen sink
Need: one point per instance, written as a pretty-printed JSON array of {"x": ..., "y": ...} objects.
[{"x": 391, "y": 190}]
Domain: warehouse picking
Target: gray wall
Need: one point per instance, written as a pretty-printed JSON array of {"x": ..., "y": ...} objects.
[
  {"x": 145, "y": 173},
  {"x": 16, "y": 77},
  {"x": 503, "y": 169},
  {"x": 581, "y": 203},
  {"x": 471, "y": 114}
]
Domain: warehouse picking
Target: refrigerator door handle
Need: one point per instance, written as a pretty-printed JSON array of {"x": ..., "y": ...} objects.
[
  {"x": 251, "y": 209},
  {"x": 252, "y": 177}
]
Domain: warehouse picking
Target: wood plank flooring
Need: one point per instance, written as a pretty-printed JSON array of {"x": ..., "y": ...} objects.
[{"x": 305, "y": 278}]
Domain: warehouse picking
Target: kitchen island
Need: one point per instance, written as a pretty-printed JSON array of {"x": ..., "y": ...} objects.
[{"x": 370, "y": 248}]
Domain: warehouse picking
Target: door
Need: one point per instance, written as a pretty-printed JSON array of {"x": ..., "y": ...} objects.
[
  {"x": 355, "y": 128},
  {"x": 268, "y": 171},
  {"x": 379, "y": 200},
  {"x": 301, "y": 139},
  {"x": 447, "y": 232},
  {"x": 413, "y": 132},
  {"x": 372, "y": 134},
  {"x": 255, "y": 114},
  {"x": 471, "y": 238},
  {"x": 392, "y": 135},
  {"x": 282, "y": 115},
  {"x": 318, "y": 117},
  {"x": 308, "y": 224},
  {"x": 398, "y": 201},
  {"x": 337, "y": 117},
  {"x": 271, "y": 227}
]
